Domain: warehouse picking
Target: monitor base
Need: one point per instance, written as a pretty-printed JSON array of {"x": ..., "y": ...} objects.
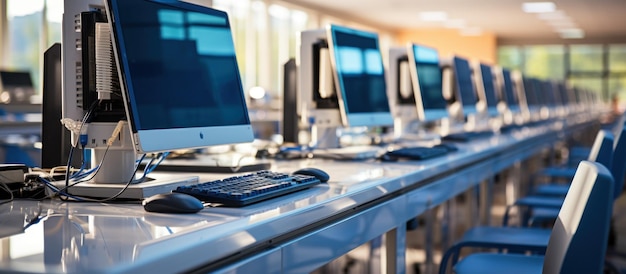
[{"x": 160, "y": 183}]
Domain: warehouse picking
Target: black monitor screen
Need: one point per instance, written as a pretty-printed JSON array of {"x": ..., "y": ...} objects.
[
  {"x": 563, "y": 94},
  {"x": 529, "y": 91},
  {"x": 361, "y": 70},
  {"x": 550, "y": 96},
  {"x": 179, "y": 74},
  {"x": 464, "y": 85},
  {"x": 361, "y": 76},
  {"x": 182, "y": 68},
  {"x": 490, "y": 90},
  {"x": 538, "y": 92},
  {"x": 15, "y": 79},
  {"x": 429, "y": 77},
  {"x": 509, "y": 92}
]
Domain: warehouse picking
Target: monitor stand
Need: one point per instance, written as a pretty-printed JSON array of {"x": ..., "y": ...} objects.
[
  {"x": 117, "y": 162},
  {"x": 324, "y": 136},
  {"x": 416, "y": 131},
  {"x": 155, "y": 184}
]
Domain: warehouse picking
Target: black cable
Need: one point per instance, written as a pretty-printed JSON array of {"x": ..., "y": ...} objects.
[
  {"x": 86, "y": 119},
  {"x": 6, "y": 188},
  {"x": 130, "y": 181}
]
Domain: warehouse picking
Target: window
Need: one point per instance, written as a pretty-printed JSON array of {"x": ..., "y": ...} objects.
[
  {"x": 600, "y": 68},
  {"x": 586, "y": 58},
  {"x": 546, "y": 62},
  {"x": 510, "y": 57},
  {"x": 617, "y": 58},
  {"x": 30, "y": 32}
]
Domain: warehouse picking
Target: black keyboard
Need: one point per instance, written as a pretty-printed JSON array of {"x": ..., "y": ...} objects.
[
  {"x": 417, "y": 153},
  {"x": 467, "y": 136},
  {"x": 250, "y": 188}
]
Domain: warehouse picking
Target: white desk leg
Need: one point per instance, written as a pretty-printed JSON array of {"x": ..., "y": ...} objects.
[
  {"x": 486, "y": 201},
  {"x": 376, "y": 256},
  {"x": 388, "y": 252}
]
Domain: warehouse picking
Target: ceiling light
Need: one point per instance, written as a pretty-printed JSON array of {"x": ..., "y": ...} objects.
[
  {"x": 538, "y": 7},
  {"x": 433, "y": 16},
  {"x": 571, "y": 33}
]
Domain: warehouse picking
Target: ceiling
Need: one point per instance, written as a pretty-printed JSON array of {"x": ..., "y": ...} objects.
[{"x": 601, "y": 20}]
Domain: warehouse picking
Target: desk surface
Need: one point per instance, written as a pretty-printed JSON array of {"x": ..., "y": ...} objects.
[{"x": 89, "y": 237}]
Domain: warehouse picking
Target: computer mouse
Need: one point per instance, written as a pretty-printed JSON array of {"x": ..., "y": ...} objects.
[
  {"x": 315, "y": 172},
  {"x": 172, "y": 203}
]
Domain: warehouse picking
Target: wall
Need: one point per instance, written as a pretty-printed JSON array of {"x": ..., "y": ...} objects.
[{"x": 481, "y": 47}]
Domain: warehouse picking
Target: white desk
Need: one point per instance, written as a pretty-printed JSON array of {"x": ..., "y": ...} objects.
[{"x": 296, "y": 233}]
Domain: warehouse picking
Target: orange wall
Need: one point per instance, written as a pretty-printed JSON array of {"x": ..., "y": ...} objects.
[{"x": 449, "y": 41}]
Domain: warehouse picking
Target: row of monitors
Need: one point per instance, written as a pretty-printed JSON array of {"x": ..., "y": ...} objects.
[
  {"x": 179, "y": 84},
  {"x": 417, "y": 77}
]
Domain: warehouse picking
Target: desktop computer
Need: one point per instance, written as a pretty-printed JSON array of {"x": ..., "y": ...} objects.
[
  {"x": 489, "y": 100},
  {"x": 358, "y": 68},
  {"x": 486, "y": 89},
  {"x": 464, "y": 89},
  {"x": 401, "y": 93},
  {"x": 509, "y": 103},
  {"x": 416, "y": 84},
  {"x": 466, "y": 108},
  {"x": 135, "y": 83},
  {"x": 341, "y": 87}
]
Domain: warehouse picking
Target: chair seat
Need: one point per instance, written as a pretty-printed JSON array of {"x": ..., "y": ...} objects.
[
  {"x": 511, "y": 238},
  {"x": 485, "y": 263},
  {"x": 552, "y": 189}
]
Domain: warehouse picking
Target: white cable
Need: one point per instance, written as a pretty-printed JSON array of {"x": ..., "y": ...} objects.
[{"x": 116, "y": 132}]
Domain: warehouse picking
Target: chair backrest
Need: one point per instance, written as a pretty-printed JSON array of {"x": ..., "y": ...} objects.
[
  {"x": 602, "y": 148},
  {"x": 618, "y": 167},
  {"x": 578, "y": 240}
]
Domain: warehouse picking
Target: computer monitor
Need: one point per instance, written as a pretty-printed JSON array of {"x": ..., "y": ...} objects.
[
  {"x": 358, "y": 68},
  {"x": 529, "y": 91},
  {"x": 15, "y": 87},
  {"x": 180, "y": 80},
  {"x": 427, "y": 81},
  {"x": 465, "y": 92},
  {"x": 508, "y": 92},
  {"x": 563, "y": 93},
  {"x": 486, "y": 88},
  {"x": 179, "y": 83},
  {"x": 550, "y": 97}
]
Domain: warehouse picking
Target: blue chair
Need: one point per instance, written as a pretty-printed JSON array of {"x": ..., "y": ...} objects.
[
  {"x": 618, "y": 170},
  {"x": 523, "y": 239},
  {"x": 566, "y": 171},
  {"x": 601, "y": 152},
  {"x": 535, "y": 240},
  {"x": 576, "y": 243}
]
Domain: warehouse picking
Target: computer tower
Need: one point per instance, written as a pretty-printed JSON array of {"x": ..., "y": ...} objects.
[
  {"x": 55, "y": 138},
  {"x": 290, "y": 114}
]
